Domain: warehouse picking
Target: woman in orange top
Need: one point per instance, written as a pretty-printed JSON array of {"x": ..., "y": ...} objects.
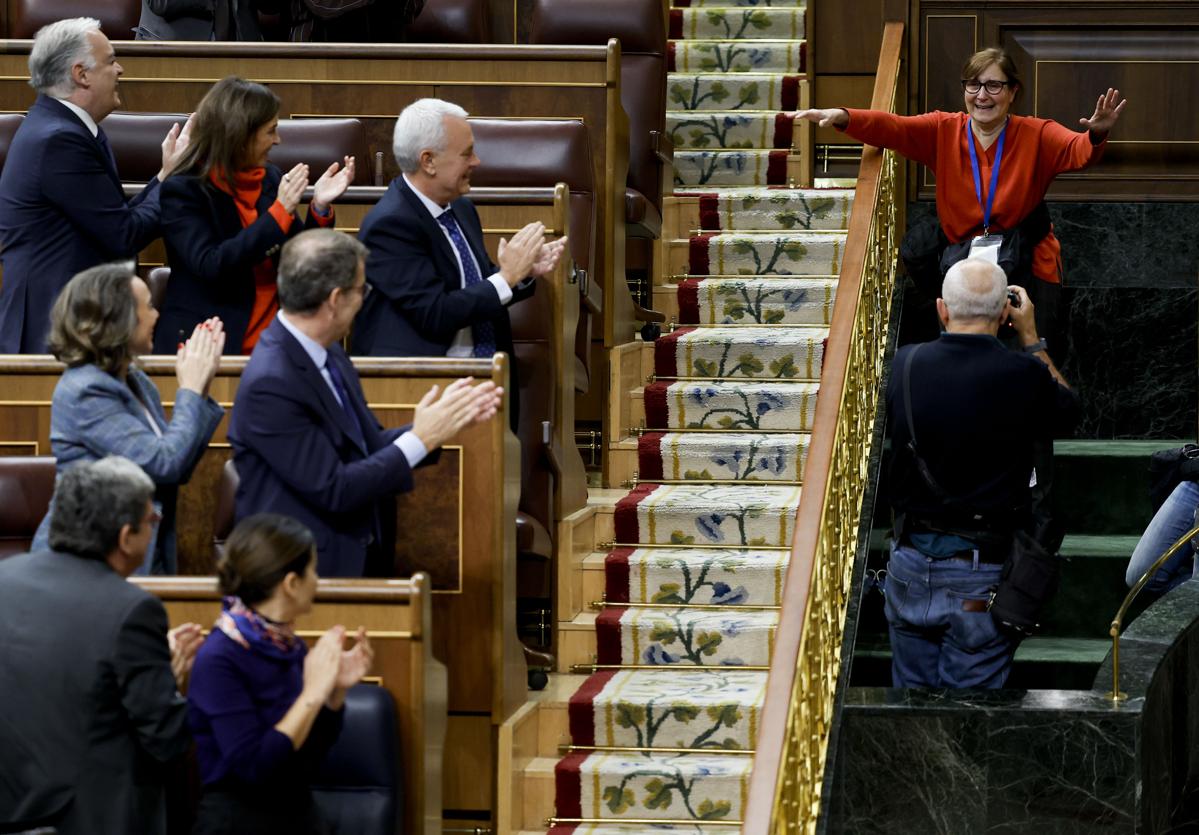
[
  {"x": 227, "y": 213},
  {"x": 1034, "y": 151}
]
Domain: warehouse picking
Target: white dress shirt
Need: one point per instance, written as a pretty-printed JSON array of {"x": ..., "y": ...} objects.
[
  {"x": 409, "y": 444},
  {"x": 464, "y": 343},
  {"x": 83, "y": 115}
]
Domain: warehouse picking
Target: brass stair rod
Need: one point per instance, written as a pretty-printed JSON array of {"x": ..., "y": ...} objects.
[{"x": 1115, "y": 695}]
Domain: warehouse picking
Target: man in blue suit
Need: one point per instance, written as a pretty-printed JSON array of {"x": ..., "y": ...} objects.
[
  {"x": 61, "y": 205},
  {"x": 437, "y": 291},
  {"x": 305, "y": 444}
]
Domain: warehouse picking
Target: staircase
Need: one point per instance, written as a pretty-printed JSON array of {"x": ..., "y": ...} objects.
[{"x": 690, "y": 563}]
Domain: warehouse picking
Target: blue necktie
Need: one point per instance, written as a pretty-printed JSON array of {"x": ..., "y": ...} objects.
[
  {"x": 482, "y": 333},
  {"x": 343, "y": 394}
]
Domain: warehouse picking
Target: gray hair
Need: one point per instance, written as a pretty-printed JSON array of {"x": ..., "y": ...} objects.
[
  {"x": 93, "y": 501},
  {"x": 974, "y": 289},
  {"x": 57, "y": 47},
  {"x": 314, "y": 264},
  {"x": 421, "y": 127}
]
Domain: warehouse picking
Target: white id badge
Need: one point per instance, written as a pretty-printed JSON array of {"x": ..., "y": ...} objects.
[{"x": 986, "y": 248}]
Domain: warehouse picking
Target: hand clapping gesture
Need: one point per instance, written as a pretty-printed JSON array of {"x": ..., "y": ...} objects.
[
  {"x": 198, "y": 359},
  {"x": 356, "y": 662},
  {"x": 518, "y": 255},
  {"x": 548, "y": 259},
  {"x": 184, "y": 642},
  {"x": 291, "y": 187},
  {"x": 173, "y": 146},
  {"x": 332, "y": 185},
  {"x": 438, "y": 419},
  {"x": 1107, "y": 111}
]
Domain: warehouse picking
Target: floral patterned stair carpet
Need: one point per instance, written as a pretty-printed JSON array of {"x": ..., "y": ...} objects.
[{"x": 693, "y": 585}]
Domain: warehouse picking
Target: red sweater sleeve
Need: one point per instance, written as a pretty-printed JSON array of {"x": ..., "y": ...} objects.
[
  {"x": 1063, "y": 149},
  {"x": 915, "y": 137}
]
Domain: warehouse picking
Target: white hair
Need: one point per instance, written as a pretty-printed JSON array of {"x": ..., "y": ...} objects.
[
  {"x": 421, "y": 127},
  {"x": 974, "y": 289},
  {"x": 57, "y": 47}
]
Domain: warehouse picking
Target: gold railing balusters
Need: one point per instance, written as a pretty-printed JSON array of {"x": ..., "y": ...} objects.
[{"x": 786, "y": 786}]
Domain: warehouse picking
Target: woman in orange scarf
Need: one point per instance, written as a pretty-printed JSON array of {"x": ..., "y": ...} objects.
[{"x": 227, "y": 212}]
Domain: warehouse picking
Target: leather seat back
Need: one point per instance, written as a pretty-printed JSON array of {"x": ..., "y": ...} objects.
[
  {"x": 450, "y": 21},
  {"x": 136, "y": 141},
  {"x": 26, "y": 487},
  {"x": 222, "y": 521},
  {"x": 117, "y": 17},
  {"x": 539, "y": 154},
  {"x": 9, "y": 122},
  {"x": 542, "y": 153},
  {"x": 320, "y": 142},
  {"x": 357, "y": 785},
  {"x": 641, "y": 27}
]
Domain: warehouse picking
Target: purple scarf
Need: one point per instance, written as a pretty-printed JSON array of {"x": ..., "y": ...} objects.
[{"x": 250, "y": 630}]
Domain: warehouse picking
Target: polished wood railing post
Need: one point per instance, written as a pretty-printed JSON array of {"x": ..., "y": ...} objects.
[{"x": 785, "y": 789}]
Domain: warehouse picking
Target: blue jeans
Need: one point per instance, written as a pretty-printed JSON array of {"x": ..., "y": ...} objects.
[
  {"x": 1176, "y": 516},
  {"x": 938, "y": 639}
]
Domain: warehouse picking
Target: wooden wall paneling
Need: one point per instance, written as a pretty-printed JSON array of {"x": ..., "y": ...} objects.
[
  {"x": 396, "y": 614},
  {"x": 1068, "y": 52}
]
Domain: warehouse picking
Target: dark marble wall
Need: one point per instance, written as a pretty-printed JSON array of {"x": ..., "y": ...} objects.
[{"x": 1131, "y": 292}]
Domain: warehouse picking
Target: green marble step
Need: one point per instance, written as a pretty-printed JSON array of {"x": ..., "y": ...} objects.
[
  {"x": 1101, "y": 487},
  {"x": 1040, "y": 663}
]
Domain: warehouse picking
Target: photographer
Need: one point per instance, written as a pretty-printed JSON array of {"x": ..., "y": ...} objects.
[{"x": 961, "y": 486}]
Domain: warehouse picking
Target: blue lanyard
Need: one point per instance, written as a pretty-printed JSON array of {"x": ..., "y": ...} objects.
[{"x": 978, "y": 186}]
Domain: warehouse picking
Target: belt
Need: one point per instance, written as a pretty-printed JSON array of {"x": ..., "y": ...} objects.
[{"x": 990, "y": 558}]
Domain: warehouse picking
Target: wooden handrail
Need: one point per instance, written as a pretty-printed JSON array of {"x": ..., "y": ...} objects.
[
  {"x": 771, "y": 765},
  {"x": 328, "y": 590},
  {"x": 365, "y": 51},
  {"x": 233, "y": 365}
]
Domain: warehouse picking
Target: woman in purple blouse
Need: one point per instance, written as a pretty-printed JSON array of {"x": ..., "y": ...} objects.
[{"x": 264, "y": 709}]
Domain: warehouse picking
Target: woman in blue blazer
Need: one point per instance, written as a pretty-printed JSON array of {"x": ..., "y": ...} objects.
[
  {"x": 228, "y": 211},
  {"x": 105, "y": 405}
]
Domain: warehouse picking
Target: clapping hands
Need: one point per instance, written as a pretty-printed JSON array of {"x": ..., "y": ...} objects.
[
  {"x": 184, "y": 642},
  {"x": 332, "y": 184},
  {"x": 329, "y": 671},
  {"x": 173, "y": 147},
  {"x": 198, "y": 359},
  {"x": 528, "y": 253},
  {"x": 441, "y": 415}
]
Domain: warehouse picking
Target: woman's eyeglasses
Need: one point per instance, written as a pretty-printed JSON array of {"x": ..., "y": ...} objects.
[{"x": 993, "y": 87}]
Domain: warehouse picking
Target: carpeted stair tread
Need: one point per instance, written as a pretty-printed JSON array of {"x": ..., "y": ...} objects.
[
  {"x": 743, "y": 406},
  {"x": 698, "y": 92},
  {"x": 675, "y": 456},
  {"x": 682, "y": 709},
  {"x": 766, "y": 253},
  {"x": 731, "y": 168},
  {"x": 725, "y": 576},
  {"x": 617, "y": 828},
  {"x": 743, "y": 23},
  {"x": 713, "y": 514},
  {"x": 686, "y": 637},
  {"x": 730, "y": 129},
  {"x": 647, "y": 787},
  {"x": 745, "y": 352},
  {"x": 729, "y": 3},
  {"x": 762, "y": 209},
  {"x": 754, "y": 300},
  {"x": 722, "y": 56}
]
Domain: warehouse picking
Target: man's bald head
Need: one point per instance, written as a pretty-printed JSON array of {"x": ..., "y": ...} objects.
[
  {"x": 974, "y": 290},
  {"x": 315, "y": 263}
]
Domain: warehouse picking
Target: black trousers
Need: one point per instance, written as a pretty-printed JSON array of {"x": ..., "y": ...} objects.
[{"x": 259, "y": 812}]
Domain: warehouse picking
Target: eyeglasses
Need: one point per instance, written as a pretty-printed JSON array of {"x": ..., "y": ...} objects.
[
  {"x": 363, "y": 288},
  {"x": 993, "y": 87}
]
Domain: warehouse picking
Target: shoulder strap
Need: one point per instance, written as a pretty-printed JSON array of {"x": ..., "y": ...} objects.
[{"x": 921, "y": 464}]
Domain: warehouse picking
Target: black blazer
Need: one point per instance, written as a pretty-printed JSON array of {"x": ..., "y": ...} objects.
[
  {"x": 419, "y": 304},
  {"x": 89, "y": 712},
  {"x": 212, "y": 257},
  {"x": 297, "y": 454}
]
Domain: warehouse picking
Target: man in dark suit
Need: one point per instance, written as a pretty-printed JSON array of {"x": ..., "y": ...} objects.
[
  {"x": 90, "y": 709},
  {"x": 304, "y": 441},
  {"x": 61, "y": 205},
  {"x": 437, "y": 293}
]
